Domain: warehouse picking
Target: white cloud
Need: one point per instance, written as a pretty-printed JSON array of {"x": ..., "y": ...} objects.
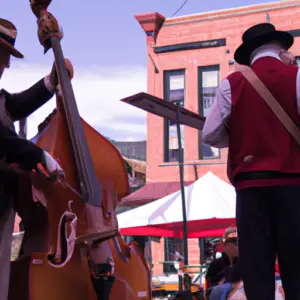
[{"x": 97, "y": 93}]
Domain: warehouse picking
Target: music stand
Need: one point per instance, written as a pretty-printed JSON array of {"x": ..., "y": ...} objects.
[{"x": 180, "y": 116}]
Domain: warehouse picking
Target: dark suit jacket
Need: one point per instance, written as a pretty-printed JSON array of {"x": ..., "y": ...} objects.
[{"x": 13, "y": 148}]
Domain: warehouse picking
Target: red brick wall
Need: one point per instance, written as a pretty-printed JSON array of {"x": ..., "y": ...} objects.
[
  {"x": 157, "y": 257},
  {"x": 202, "y": 28},
  {"x": 194, "y": 252}
]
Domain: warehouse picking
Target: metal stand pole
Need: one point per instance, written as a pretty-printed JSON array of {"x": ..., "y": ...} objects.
[
  {"x": 180, "y": 283},
  {"x": 202, "y": 257},
  {"x": 150, "y": 262},
  {"x": 181, "y": 174}
]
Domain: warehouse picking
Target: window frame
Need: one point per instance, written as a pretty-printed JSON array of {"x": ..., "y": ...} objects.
[
  {"x": 166, "y": 89},
  {"x": 201, "y": 70},
  {"x": 168, "y": 242}
]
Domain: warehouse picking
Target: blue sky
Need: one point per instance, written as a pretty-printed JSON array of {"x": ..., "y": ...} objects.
[
  {"x": 101, "y": 38},
  {"x": 102, "y": 32}
]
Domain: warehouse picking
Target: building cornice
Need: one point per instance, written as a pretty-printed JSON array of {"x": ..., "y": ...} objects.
[{"x": 232, "y": 12}]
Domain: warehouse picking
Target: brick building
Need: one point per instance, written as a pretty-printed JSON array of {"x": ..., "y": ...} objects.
[
  {"x": 187, "y": 58},
  {"x": 132, "y": 150}
]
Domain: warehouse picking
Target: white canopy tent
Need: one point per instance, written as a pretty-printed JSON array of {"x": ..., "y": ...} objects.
[{"x": 210, "y": 207}]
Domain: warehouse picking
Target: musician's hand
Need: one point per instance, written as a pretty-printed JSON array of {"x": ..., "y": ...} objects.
[
  {"x": 288, "y": 58},
  {"x": 38, "y": 5},
  {"x": 51, "y": 166},
  {"x": 53, "y": 74}
]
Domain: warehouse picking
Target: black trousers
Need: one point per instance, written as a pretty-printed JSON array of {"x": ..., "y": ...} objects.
[{"x": 268, "y": 223}]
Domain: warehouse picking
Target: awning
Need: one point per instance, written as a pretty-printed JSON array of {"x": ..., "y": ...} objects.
[
  {"x": 152, "y": 191},
  {"x": 195, "y": 229}
]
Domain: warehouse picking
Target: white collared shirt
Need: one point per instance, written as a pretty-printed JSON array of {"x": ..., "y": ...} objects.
[{"x": 215, "y": 132}]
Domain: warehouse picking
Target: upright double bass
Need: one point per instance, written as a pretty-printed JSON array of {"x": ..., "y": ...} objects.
[{"x": 71, "y": 223}]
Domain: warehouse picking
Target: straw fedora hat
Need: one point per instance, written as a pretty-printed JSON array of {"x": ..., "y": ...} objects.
[{"x": 8, "y": 34}]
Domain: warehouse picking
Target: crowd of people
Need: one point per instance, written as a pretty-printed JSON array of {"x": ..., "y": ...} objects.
[{"x": 224, "y": 276}]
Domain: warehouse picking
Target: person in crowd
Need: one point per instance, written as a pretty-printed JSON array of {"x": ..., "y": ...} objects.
[
  {"x": 217, "y": 269},
  {"x": 233, "y": 289}
]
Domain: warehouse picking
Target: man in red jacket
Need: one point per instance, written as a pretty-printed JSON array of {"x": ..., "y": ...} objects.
[{"x": 263, "y": 160}]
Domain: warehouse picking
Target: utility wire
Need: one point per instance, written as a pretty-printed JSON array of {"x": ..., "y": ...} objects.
[{"x": 182, "y": 5}]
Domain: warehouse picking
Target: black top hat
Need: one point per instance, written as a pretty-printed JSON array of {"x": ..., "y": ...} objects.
[
  {"x": 8, "y": 34},
  {"x": 257, "y": 36}
]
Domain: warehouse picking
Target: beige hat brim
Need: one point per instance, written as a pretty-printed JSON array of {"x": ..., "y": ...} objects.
[{"x": 12, "y": 50}]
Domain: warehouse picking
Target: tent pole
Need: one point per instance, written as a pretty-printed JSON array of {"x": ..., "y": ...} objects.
[{"x": 181, "y": 174}]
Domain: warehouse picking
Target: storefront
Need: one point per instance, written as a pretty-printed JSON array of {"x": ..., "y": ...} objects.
[{"x": 187, "y": 58}]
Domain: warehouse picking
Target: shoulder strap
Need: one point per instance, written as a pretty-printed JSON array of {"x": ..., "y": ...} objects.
[{"x": 277, "y": 109}]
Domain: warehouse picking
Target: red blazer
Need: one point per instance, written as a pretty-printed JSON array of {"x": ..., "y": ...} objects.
[{"x": 258, "y": 140}]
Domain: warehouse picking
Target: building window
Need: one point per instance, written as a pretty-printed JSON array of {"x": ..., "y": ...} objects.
[
  {"x": 209, "y": 78},
  {"x": 174, "y": 91},
  {"x": 172, "y": 245}
]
